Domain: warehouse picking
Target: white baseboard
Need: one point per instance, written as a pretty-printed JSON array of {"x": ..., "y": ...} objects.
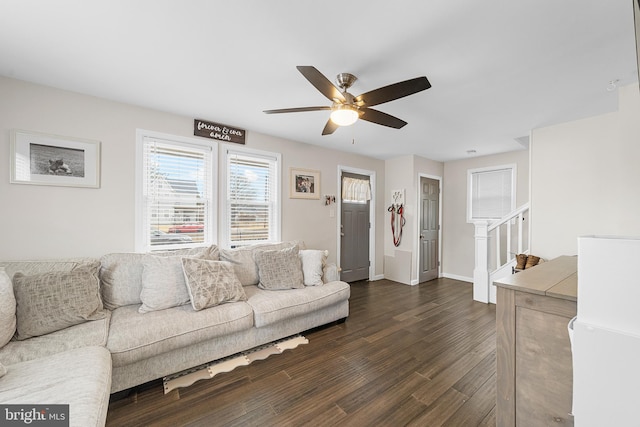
[
  {"x": 456, "y": 277},
  {"x": 376, "y": 277}
]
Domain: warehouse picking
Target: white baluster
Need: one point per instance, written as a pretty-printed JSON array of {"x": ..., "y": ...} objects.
[
  {"x": 520, "y": 220},
  {"x": 498, "y": 240},
  {"x": 481, "y": 270}
]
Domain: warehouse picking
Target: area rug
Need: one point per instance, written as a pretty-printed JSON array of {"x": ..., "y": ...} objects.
[{"x": 228, "y": 364}]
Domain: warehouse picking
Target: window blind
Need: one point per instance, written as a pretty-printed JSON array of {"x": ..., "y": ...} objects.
[
  {"x": 251, "y": 198},
  {"x": 177, "y": 193},
  {"x": 492, "y": 195}
]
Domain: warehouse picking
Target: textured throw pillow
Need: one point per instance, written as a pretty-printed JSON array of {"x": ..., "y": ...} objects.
[
  {"x": 7, "y": 309},
  {"x": 211, "y": 283},
  {"x": 3, "y": 370},
  {"x": 163, "y": 284},
  {"x": 280, "y": 269},
  {"x": 49, "y": 302},
  {"x": 312, "y": 266},
  {"x": 243, "y": 260}
]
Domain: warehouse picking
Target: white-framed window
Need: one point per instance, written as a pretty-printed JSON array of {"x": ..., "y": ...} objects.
[
  {"x": 175, "y": 192},
  {"x": 491, "y": 192},
  {"x": 251, "y": 213}
]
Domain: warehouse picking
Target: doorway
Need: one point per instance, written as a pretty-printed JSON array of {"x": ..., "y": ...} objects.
[
  {"x": 354, "y": 233},
  {"x": 429, "y": 244}
]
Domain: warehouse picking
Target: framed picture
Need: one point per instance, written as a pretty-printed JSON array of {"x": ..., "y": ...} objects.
[
  {"x": 304, "y": 184},
  {"x": 41, "y": 159}
]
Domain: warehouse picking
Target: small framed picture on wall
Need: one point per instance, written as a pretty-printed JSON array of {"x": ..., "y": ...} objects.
[
  {"x": 304, "y": 184},
  {"x": 42, "y": 159}
]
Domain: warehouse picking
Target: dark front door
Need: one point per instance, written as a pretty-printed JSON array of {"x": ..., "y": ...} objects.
[{"x": 354, "y": 241}]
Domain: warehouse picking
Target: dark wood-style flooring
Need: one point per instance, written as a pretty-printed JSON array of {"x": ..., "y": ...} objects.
[{"x": 407, "y": 355}]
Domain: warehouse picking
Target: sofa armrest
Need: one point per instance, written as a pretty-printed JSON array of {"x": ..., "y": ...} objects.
[{"x": 330, "y": 273}]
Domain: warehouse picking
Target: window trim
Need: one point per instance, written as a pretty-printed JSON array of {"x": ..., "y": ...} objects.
[
  {"x": 224, "y": 233},
  {"x": 470, "y": 174},
  {"x": 141, "y": 245}
]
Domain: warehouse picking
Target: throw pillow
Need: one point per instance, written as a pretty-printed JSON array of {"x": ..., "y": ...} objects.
[
  {"x": 211, "y": 283},
  {"x": 49, "y": 302},
  {"x": 163, "y": 284},
  {"x": 3, "y": 370},
  {"x": 279, "y": 269},
  {"x": 312, "y": 266},
  {"x": 243, "y": 261},
  {"x": 243, "y": 264},
  {"x": 7, "y": 309}
]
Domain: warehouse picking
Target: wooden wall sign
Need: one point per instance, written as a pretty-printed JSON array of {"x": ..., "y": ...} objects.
[{"x": 218, "y": 131}]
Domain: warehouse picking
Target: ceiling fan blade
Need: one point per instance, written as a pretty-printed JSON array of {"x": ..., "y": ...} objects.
[
  {"x": 320, "y": 82},
  {"x": 297, "y": 110},
  {"x": 393, "y": 91},
  {"x": 380, "y": 118},
  {"x": 329, "y": 128}
]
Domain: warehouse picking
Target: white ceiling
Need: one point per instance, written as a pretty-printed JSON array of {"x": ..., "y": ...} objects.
[{"x": 498, "y": 68}]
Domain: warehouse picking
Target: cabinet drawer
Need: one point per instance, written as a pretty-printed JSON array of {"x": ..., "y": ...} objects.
[{"x": 559, "y": 307}]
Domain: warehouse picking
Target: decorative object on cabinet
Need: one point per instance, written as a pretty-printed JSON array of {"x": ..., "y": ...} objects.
[{"x": 524, "y": 261}]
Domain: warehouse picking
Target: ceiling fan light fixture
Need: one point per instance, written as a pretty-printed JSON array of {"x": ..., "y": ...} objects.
[{"x": 344, "y": 115}]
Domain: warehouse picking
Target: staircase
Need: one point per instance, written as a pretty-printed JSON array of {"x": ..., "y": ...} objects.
[{"x": 496, "y": 248}]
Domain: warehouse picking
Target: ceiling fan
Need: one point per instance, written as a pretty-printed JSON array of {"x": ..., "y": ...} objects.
[{"x": 346, "y": 108}]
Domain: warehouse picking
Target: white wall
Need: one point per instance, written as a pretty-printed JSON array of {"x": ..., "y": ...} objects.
[
  {"x": 40, "y": 222},
  {"x": 458, "y": 258},
  {"x": 402, "y": 173},
  {"x": 585, "y": 178}
]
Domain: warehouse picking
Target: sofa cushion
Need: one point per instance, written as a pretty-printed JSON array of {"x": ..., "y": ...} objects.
[
  {"x": 280, "y": 269},
  {"x": 82, "y": 335},
  {"x": 211, "y": 283},
  {"x": 3, "y": 370},
  {"x": 163, "y": 284},
  {"x": 271, "y": 307},
  {"x": 134, "y": 336},
  {"x": 80, "y": 378},
  {"x": 313, "y": 262},
  {"x": 7, "y": 309},
  {"x": 243, "y": 261},
  {"x": 121, "y": 273},
  {"x": 49, "y": 302}
]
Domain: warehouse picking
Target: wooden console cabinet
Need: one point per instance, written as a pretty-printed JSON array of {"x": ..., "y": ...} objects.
[{"x": 533, "y": 350}]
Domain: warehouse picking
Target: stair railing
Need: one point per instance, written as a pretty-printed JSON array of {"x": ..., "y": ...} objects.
[{"x": 489, "y": 238}]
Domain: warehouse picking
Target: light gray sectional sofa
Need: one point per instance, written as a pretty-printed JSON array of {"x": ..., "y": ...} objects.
[{"x": 159, "y": 314}]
